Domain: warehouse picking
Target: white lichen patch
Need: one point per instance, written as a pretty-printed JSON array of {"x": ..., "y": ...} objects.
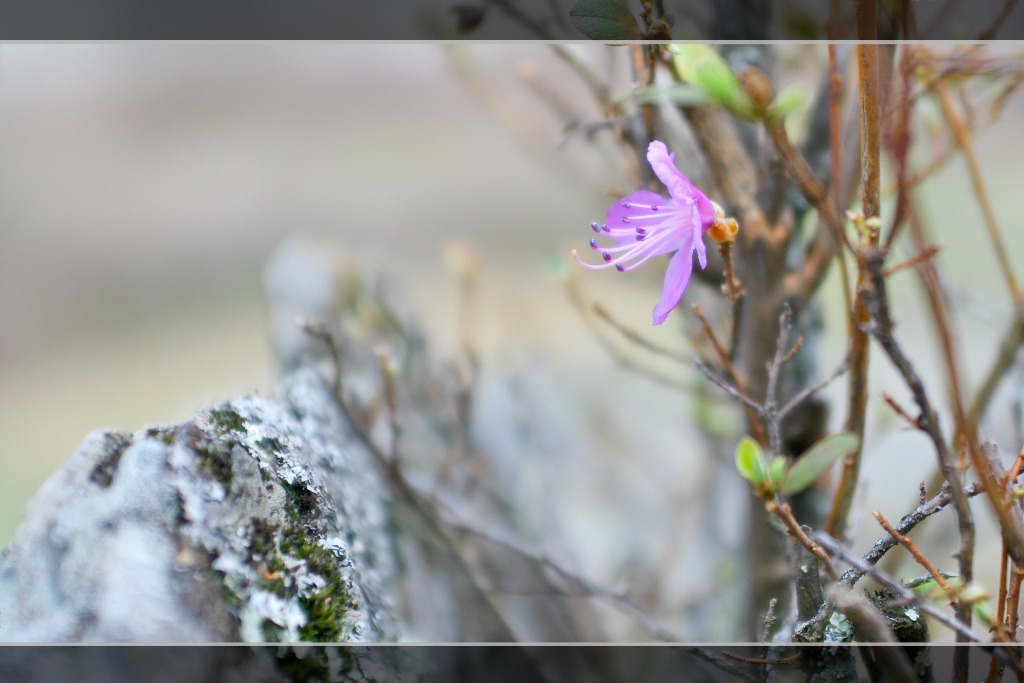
[
  {"x": 280, "y": 451},
  {"x": 235, "y": 525}
]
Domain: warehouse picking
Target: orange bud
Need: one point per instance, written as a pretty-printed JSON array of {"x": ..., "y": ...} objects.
[{"x": 724, "y": 230}]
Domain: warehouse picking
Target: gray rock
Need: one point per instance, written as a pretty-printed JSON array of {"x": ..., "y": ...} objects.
[
  {"x": 285, "y": 518},
  {"x": 260, "y": 519}
]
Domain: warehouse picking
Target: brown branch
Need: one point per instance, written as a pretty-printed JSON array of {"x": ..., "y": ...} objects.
[
  {"x": 784, "y": 512},
  {"x": 424, "y": 506},
  {"x": 963, "y": 137},
  {"x": 635, "y": 337},
  {"x": 1001, "y": 602},
  {"x": 902, "y": 412},
  {"x": 929, "y": 277},
  {"x": 584, "y": 586},
  {"x": 1012, "y": 597},
  {"x": 751, "y": 660},
  {"x": 835, "y": 82},
  {"x": 996, "y": 667},
  {"x": 909, "y": 521},
  {"x": 1010, "y": 522},
  {"x": 733, "y": 172},
  {"x": 870, "y": 155},
  {"x": 808, "y": 391},
  {"x": 801, "y": 283},
  {"x": 873, "y": 294},
  {"x": 617, "y": 355},
  {"x": 731, "y": 288},
  {"x": 813, "y": 190},
  {"x": 927, "y": 253},
  {"x": 813, "y": 629},
  {"x": 598, "y": 87},
  {"x": 723, "y": 358},
  {"x": 1013, "y": 601},
  {"x": 904, "y": 593},
  {"x": 918, "y": 556},
  {"x": 1005, "y": 356},
  {"x": 990, "y": 32}
]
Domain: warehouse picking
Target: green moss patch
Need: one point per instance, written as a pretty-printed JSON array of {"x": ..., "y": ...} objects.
[
  {"x": 227, "y": 419},
  {"x": 115, "y": 444}
]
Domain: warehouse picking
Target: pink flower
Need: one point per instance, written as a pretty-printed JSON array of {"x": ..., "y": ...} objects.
[{"x": 645, "y": 224}]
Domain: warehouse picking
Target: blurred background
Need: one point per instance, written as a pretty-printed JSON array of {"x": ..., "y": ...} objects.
[{"x": 144, "y": 186}]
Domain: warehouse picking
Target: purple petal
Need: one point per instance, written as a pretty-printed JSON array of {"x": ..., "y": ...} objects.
[
  {"x": 698, "y": 240},
  {"x": 637, "y": 212},
  {"x": 681, "y": 189},
  {"x": 676, "y": 278}
]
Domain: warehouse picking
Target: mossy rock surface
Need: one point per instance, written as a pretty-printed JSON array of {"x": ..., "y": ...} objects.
[{"x": 238, "y": 525}]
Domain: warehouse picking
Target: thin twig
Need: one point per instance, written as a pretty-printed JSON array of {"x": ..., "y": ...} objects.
[
  {"x": 897, "y": 587},
  {"x": 963, "y": 137},
  {"x": 732, "y": 288},
  {"x": 633, "y": 336},
  {"x": 870, "y": 155},
  {"x": 770, "y": 619},
  {"x": 727, "y": 666},
  {"x": 769, "y": 662},
  {"x": 1001, "y": 603},
  {"x": 883, "y": 545},
  {"x": 598, "y": 87},
  {"x": 424, "y": 506},
  {"x": 769, "y": 408},
  {"x": 765, "y": 413},
  {"x": 618, "y": 356},
  {"x": 732, "y": 391},
  {"x": 801, "y": 283},
  {"x": 902, "y": 412},
  {"x": 391, "y": 398},
  {"x": 919, "y": 556},
  {"x": 809, "y": 391},
  {"x": 990, "y": 32},
  {"x": 1010, "y": 602},
  {"x": 927, "y": 253},
  {"x": 588, "y": 588},
  {"x": 784, "y": 512},
  {"x": 1005, "y": 357},
  {"x": 813, "y": 190},
  {"x": 753, "y": 419},
  {"x": 813, "y": 629},
  {"x": 876, "y": 301},
  {"x": 835, "y": 81}
]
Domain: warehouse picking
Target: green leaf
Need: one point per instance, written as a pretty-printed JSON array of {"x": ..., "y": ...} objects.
[
  {"x": 777, "y": 471},
  {"x": 705, "y": 68},
  {"x": 983, "y": 611},
  {"x": 789, "y": 100},
  {"x": 678, "y": 93},
  {"x": 604, "y": 20},
  {"x": 817, "y": 460},
  {"x": 750, "y": 461}
]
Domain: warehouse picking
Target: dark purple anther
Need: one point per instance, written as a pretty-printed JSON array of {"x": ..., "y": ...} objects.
[
  {"x": 607, "y": 257},
  {"x": 624, "y": 219},
  {"x": 640, "y": 237},
  {"x": 620, "y": 268},
  {"x": 596, "y": 227},
  {"x": 626, "y": 205},
  {"x": 594, "y": 244}
]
